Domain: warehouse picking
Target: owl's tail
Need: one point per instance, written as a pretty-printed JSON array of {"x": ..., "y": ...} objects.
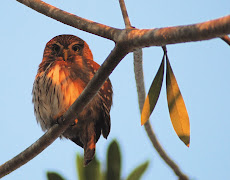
[
  {"x": 89, "y": 152},
  {"x": 89, "y": 144},
  {"x": 90, "y": 133}
]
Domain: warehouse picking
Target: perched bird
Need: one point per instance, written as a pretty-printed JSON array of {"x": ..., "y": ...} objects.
[{"x": 66, "y": 69}]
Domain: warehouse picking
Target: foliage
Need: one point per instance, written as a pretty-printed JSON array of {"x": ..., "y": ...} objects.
[
  {"x": 177, "y": 110},
  {"x": 153, "y": 95},
  {"x": 54, "y": 176},
  {"x": 93, "y": 170},
  {"x": 176, "y": 105}
]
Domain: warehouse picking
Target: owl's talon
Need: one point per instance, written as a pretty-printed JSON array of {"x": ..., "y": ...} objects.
[
  {"x": 73, "y": 124},
  {"x": 60, "y": 120}
]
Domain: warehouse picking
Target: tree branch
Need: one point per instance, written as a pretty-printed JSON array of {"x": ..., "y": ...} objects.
[
  {"x": 162, "y": 153},
  {"x": 135, "y": 37},
  {"x": 71, "y": 19},
  {"x": 139, "y": 76},
  {"x": 180, "y": 34},
  {"x": 54, "y": 132},
  {"x": 226, "y": 39},
  {"x": 125, "y": 14}
]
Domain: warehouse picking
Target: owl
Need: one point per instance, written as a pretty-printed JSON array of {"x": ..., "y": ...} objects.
[{"x": 66, "y": 68}]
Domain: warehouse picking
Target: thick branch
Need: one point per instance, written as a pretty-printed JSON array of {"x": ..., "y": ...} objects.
[
  {"x": 139, "y": 76},
  {"x": 135, "y": 37},
  {"x": 179, "y": 34},
  {"x": 53, "y": 133},
  {"x": 71, "y": 19}
]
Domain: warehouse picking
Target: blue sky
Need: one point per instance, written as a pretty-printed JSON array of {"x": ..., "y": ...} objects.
[{"x": 201, "y": 69}]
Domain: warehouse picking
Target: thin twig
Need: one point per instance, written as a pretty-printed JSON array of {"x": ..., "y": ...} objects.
[
  {"x": 53, "y": 133},
  {"x": 138, "y": 70},
  {"x": 226, "y": 39},
  {"x": 139, "y": 76},
  {"x": 125, "y": 14}
]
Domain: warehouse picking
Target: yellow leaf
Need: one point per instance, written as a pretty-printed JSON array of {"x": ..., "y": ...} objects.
[
  {"x": 153, "y": 94},
  {"x": 176, "y": 105}
]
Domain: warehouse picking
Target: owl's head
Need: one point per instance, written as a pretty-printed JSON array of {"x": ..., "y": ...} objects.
[{"x": 68, "y": 48}]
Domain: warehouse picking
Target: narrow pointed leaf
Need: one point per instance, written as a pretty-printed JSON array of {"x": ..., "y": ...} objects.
[
  {"x": 113, "y": 162},
  {"x": 54, "y": 176},
  {"x": 178, "y": 113},
  {"x": 138, "y": 171},
  {"x": 153, "y": 94},
  {"x": 91, "y": 171},
  {"x": 80, "y": 168}
]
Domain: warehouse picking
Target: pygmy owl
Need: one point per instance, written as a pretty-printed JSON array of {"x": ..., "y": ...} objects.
[{"x": 66, "y": 69}]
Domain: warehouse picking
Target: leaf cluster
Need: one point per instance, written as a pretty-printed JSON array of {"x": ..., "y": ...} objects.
[
  {"x": 177, "y": 109},
  {"x": 94, "y": 171}
]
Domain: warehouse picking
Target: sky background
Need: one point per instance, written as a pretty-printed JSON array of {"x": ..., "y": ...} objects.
[{"x": 201, "y": 69}]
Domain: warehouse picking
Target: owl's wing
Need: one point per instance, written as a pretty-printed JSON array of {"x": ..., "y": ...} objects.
[{"x": 105, "y": 94}]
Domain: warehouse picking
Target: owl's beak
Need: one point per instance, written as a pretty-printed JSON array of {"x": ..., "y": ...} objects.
[{"x": 65, "y": 54}]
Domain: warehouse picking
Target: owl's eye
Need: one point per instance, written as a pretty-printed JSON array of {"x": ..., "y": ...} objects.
[
  {"x": 56, "y": 48},
  {"x": 76, "y": 47}
]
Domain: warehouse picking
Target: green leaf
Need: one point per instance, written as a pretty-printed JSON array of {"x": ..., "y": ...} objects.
[
  {"x": 153, "y": 94},
  {"x": 138, "y": 172},
  {"x": 80, "y": 168},
  {"x": 91, "y": 171},
  {"x": 113, "y": 162},
  {"x": 54, "y": 176},
  {"x": 178, "y": 113}
]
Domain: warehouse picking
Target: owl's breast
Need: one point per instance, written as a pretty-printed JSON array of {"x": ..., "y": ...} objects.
[{"x": 53, "y": 93}]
